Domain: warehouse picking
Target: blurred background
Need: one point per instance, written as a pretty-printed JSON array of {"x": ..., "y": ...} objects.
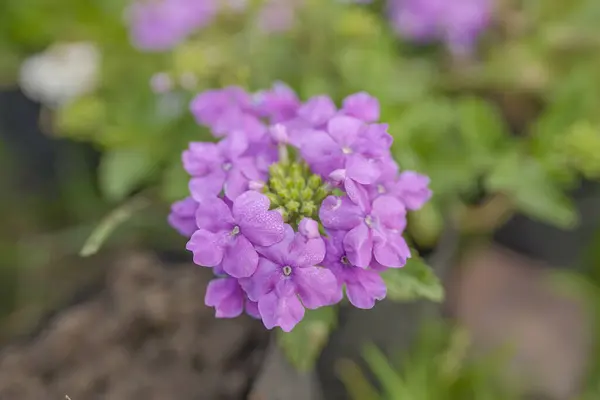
[{"x": 496, "y": 100}]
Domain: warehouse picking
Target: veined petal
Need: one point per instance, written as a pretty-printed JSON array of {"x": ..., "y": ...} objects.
[
  {"x": 316, "y": 286},
  {"x": 207, "y": 248},
  {"x": 226, "y": 296},
  {"x": 240, "y": 259},
  {"x": 260, "y": 226},
  {"x": 358, "y": 245},
  {"x": 340, "y": 213}
]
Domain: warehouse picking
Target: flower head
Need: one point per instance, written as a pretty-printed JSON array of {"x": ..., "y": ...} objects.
[{"x": 265, "y": 209}]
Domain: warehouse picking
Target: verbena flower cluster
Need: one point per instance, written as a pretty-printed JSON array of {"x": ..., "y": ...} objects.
[
  {"x": 458, "y": 23},
  {"x": 295, "y": 203}
]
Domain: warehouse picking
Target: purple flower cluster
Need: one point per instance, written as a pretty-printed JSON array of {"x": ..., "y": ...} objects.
[
  {"x": 271, "y": 267},
  {"x": 158, "y": 25},
  {"x": 457, "y": 23}
]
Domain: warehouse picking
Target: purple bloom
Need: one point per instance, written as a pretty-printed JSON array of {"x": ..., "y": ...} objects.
[
  {"x": 227, "y": 237},
  {"x": 362, "y": 106},
  {"x": 363, "y": 286},
  {"x": 287, "y": 279},
  {"x": 228, "y": 299},
  {"x": 279, "y": 103},
  {"x": 458, "y": 23},
  {"x": 373, "y": 229},
  {"x": 161, "y": 24},
  {"x": 220, "y": 166},
  {"x": 208, "y": 107},
  {"x": 348, "y": 143},
  {"x": 412, "y": 189},
  {"x": 317, "y": 111},
  {"x": 183, "y": 216}
]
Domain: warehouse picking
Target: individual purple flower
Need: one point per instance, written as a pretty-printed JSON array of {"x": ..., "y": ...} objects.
[
  {"x": 287, "y": 279},
  {"x": 279, "y": 103},
  {"x": 229, "y": 300},
  {"x": 208, "y": 107},
  {"x": 220, "y": 166},
  {"x": 362, "y": 106},
  {"x": 227, "y": 237},
  {"x": 412, "y": 189},
  {"x": 317, "y": 111},
  {"x": 183, "y": 216},
  {"x": 458, "y": 23},
  {"x": 161, "y": 24},
  {"x": 363, "y": 286},
  {"x": 348, "y": 143},
  {"x": 373, "y": 228}
]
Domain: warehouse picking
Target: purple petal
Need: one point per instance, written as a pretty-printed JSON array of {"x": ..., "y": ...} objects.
[
  {"x": 207, "y": 186},
  {"x": 284, "y": 311},
  {"x": 226, "y": 296},
  {"x": 321, "y": 152},
  {"x": 263, "y": 281},
  {"x": 207, "y": 248},
  {"x": 413, "y": 189},
  {"x": 309, "y": 228},
  {"x": 235, "y": 184},
  {"x": 390, "y": 249},
  {"x": 252, "y": 309},
  {"x": 214, "y": 214},
  {"x": 305, "y": 252},
  {"x": 362, "y": 106},
  {"x": 358, "y": 245},
  {"x": 317, "y": 110},
  {"x": 362, "y": 169},
  {"x": 234, "y": 145},
  {"x": 344, "y": 130},
  {"x": 260, "y": 226},
  {"x": 340, "y": 213},
  {"x": 365, "y": 288},
  {"x": 358, "y": 194},
  {"x": 240, "y": 259},
  {"x": 201, "y": 158},
  {"x": 374, "y": 141},
  {"x": 316, "y": 286},
  {"x": 236, "y": 120},
  {"x": 390, "y": 212},
  {"x": 249, "y": 168},
  {"x": 182, "y": 216},
  {"x": 279, "y": 252}
]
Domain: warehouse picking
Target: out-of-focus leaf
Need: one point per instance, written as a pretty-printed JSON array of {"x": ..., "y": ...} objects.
[
  {"x": 482, "y": 129},
  {"x": 122, "y": 170},
  {"x": 359, "y": 388},
  {"x": 425, "y": 225},
  {"x": 532, "y": 190},
  {"x": 580, "y": 146},
  {"x": 416, "y": 280},
  {"x": 111, "y": 222},
  {"x": 81, "y": 117},
  {"x": 391, "y": 382},
  {"x": 302, "y": 346},
  {"x": 175, "y": 183}
]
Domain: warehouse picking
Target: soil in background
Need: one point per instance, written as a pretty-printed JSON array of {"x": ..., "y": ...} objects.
[{"x": 147, "y": 335}]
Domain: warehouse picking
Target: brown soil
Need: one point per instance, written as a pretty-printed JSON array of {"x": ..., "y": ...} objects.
[{"x": 147, "y": 335}]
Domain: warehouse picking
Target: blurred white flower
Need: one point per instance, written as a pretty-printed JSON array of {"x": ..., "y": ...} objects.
[{"x": 61, "y": 73}]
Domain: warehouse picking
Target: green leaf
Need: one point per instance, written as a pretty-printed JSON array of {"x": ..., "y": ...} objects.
[
  {"x": 531, "y": 189},
  {"x": 416, "y": 280},
  {"x": 83, "y": 116},
  {"x": 304, "y": 343},
  {"x": 482, "y": 129},
  {"x": 175, "y": 183},
  {"x": 122, "y": 170}
]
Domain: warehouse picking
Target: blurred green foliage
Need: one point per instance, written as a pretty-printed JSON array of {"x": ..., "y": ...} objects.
[
  {"x": 517, "y": 120},
  {"x": 438, "y": 366}
]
